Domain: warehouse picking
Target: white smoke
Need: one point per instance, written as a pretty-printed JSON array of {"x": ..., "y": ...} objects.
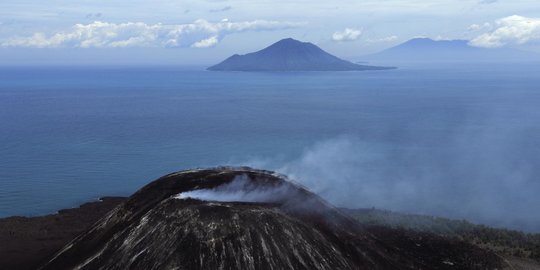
[
  {"x": 241, "y": 189},
  {"x": 475, "y": 175}
]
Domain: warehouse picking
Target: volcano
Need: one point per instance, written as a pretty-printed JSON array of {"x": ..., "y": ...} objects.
[
  {"x": 425, "y": 50},
  {"x": 289, "y": 55},
  {"x": 241, "y": 218}
]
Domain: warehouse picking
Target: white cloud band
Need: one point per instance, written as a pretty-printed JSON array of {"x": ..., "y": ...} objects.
[
  {"x": 199, "y": 34},
  {"x": 512, "y": 30},
  {"x": 349, "y": 34},
  {"x": 205, "y": 43}
]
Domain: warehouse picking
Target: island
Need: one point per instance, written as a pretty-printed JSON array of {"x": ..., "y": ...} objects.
[
  {"x": 426, "y": 50},
  {"x": 244, "y": 218},
  {"x": 290, "y": 55}
]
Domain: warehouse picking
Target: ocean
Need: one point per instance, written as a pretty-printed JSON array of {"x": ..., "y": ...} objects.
[{"x": 461, "y": 141}]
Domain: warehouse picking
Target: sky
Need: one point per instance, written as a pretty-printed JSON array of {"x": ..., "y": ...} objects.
[{"x": 207, "y": 31}]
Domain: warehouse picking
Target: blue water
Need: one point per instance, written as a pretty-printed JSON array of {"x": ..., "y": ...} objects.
[{"x": 462, "y": 142}]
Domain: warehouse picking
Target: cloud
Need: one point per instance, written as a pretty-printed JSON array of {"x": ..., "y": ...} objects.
[
  {"x": 205, "y": 43},
  {"x": 349, "y": 34},
  {"x": 479, "y": 27},
  {"x": 227, "y": 8},
  {"x": 199, "y": 34},
  {"x": 512, "y": 30},
  {"x": 487, "y": 1}
]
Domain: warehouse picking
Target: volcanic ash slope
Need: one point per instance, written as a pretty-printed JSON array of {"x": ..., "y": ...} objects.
[{"x": 240, "y": 218}]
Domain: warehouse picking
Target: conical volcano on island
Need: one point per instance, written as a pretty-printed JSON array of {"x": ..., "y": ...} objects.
[
  {"x": 289, "y": 55},
  {"x": 243, "y": 218}
]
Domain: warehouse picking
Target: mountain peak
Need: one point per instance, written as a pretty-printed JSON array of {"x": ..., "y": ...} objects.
[
  {"x": 288, "y": 55},
  {"x": 424, "y": 42},
  {"x": 289, "y": 45},
  {"x": 427, "y": 50},
  {"x": 289, "y": 40},
  {"x": 242, "y": 218}
]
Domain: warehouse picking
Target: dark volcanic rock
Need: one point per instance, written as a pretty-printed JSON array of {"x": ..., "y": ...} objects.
[
  {"x": 289, "y": 55},
  {"x": 27, "y": 242},
  {"x": 283, "y": 227}
]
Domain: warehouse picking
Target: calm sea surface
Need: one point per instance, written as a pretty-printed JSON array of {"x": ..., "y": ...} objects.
[{"x": 456, "y": 141}]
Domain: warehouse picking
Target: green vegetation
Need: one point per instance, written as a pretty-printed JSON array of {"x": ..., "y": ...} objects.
[{"x": 502, "y": 241}]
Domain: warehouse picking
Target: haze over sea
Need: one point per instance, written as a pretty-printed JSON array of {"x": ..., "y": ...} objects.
[{"x": 460, "y": 141}]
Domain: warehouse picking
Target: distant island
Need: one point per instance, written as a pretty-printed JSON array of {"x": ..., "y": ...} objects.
[
  {"x": 243, "y": 218},
  {"x": 289, "y": 55},
  {"x": 424, "y": 50},
  {"x": 259, "y": 218}
]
